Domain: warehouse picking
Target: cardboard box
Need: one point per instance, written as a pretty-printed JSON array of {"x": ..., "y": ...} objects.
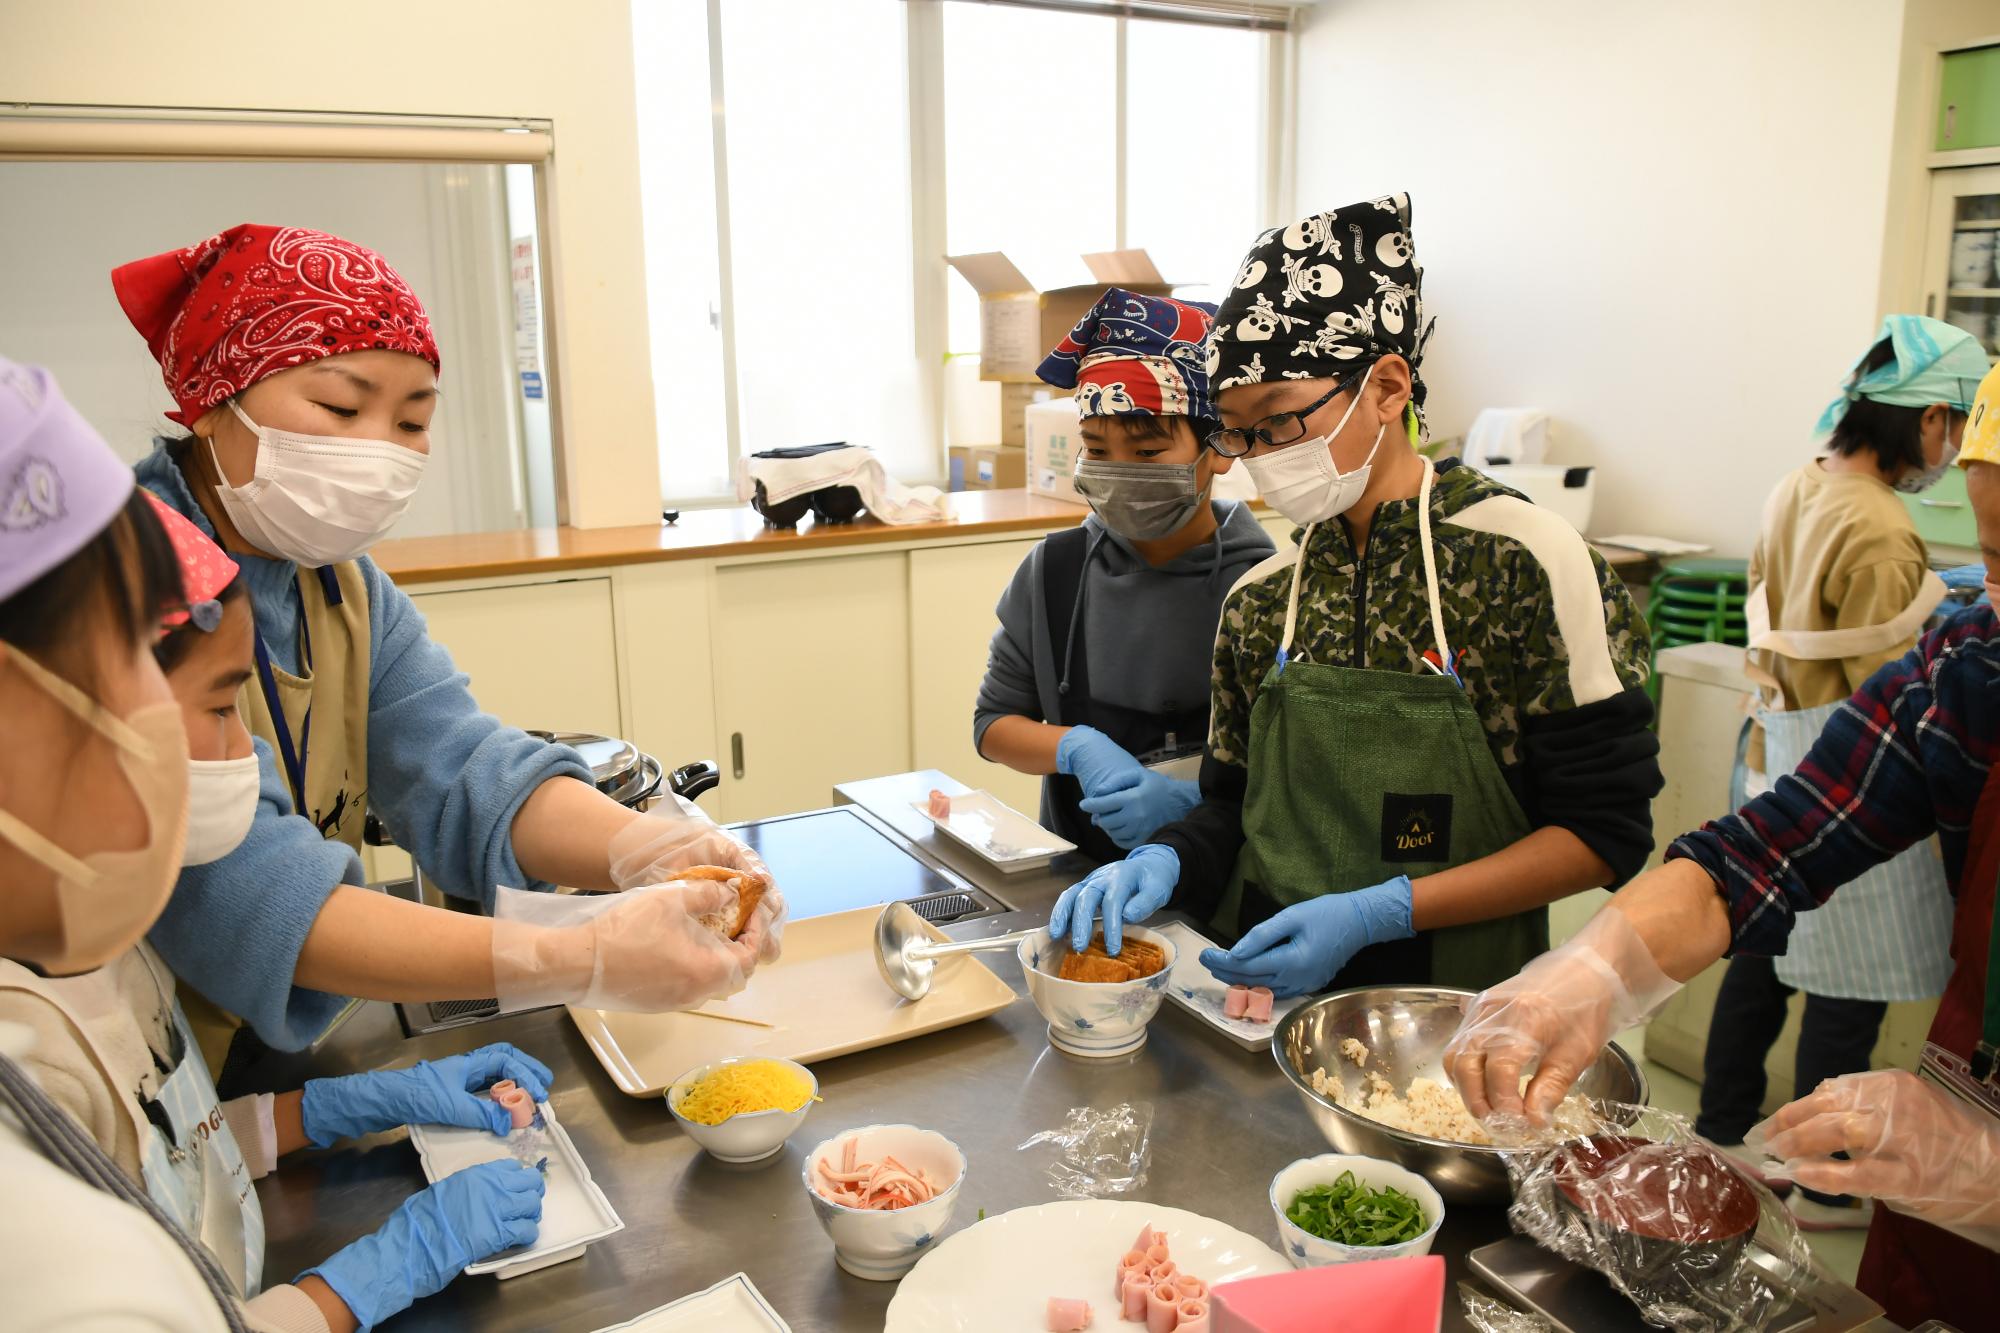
[
  {"x": 1015, "y": 400},
  {"x": 1053, "y": 444},
  {"x": 1019, "y": 324},
  {"x": 985, "y": 467}
]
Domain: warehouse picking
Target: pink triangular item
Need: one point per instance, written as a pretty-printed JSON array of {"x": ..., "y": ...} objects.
[{"x": 1381, "y": 1296}]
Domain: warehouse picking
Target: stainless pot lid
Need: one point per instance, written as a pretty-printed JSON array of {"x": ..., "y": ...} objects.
[{"x": 613, "y": 762}]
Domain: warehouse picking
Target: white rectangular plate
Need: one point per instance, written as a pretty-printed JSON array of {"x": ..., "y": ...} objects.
[
  {"x": 996, "y": 832},
  {"x": 733, "y": 1305},
  {"x": 574, "y": 1210},
  {"x": 1195, "y": 989},
  {"x": 822, "y": 998}
]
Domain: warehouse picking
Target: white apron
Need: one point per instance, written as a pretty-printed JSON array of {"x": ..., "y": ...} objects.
[{"x": 1886, "y": 935}]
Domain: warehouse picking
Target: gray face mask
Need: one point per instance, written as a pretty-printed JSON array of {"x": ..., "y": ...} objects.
[{"x": 1140, "y": 501}]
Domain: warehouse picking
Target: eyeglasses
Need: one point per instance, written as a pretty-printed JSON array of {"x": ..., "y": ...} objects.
[{"x": 1282, "y": 428}]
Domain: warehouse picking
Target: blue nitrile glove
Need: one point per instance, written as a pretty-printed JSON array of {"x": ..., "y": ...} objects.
[
  {"x": 468, "y": 1216},
  {"x": 1133, "y": 815},
  {"x": 1128, "y": 890},
  {"x": 431, "y": 1092},
  {"x": 1300, "y": 948},
  {"x": 1096, "y": 761}
]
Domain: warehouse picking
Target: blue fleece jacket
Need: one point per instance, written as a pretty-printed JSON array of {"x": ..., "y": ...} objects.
[{"x": 444, "y": 777}]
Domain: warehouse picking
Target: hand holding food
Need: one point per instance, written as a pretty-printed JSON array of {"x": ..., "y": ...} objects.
[
  {"x": 1554, "y": 1018},
  {"x": 1909, "y": 1143},
  {"x": 1133, "y": 814},
  {"x": 646, "y": 950},
  {"x": 466, "y": 1217},
  {"x": 1099, "y": 764},
  {"x": 430, "y": 1092},
  {"x": 1300, "y": 948},
  {"x": 1128, "y": 890},
  {"x": 657, "y": 846}
]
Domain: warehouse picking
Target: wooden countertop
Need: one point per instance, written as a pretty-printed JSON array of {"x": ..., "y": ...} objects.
[{"x": 704, "y": 534}]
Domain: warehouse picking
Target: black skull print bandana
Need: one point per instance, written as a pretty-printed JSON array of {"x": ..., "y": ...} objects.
[{"x": 1326, "y": 291}]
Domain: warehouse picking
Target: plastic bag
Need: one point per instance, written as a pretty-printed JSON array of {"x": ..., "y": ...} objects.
[
  {"x": 645, "y": 950},
  {"x": 1665, "y": 1217},
  {"x": 1104, "y": 1153},
  {"x": 1488, "y": 1315}
]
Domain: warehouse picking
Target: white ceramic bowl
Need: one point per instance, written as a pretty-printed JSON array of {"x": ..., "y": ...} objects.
[
  {"x": 1094, "y": 1018},
  {"x": 882, "y": 1245},
  {"x": 751, "y": 1136},
  {"x": 1306, "y": 1250}
]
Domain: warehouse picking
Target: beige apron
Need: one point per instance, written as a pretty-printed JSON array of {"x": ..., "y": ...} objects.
[{"x": 322, "y": 751}]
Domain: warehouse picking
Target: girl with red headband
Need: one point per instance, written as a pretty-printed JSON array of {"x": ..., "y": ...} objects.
[{"x": 305, "y": 373}]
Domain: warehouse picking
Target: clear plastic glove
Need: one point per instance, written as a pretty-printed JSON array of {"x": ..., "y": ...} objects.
[
  {"x": 1910, "y": 1143},
  {"x": 430, "y": 1092},
  {"x": 1133, "y": 814},
  {"x": 1299, "y": 949},
  {"x": 1100, "y": 764},
  {"x": 471, "y": 1215},
  {"x": 1128, "y": 890},
  {"x": 643, "y": 950},
  {"x": 1553, "y": 1019},
  {"x": 677, "y": 835}
]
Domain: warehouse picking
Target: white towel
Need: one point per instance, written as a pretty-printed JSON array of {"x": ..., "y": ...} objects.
[{"x": 856, "y": 466}]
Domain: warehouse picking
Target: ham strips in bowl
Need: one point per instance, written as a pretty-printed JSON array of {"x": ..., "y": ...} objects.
[{"x": 884, "y": 1185}]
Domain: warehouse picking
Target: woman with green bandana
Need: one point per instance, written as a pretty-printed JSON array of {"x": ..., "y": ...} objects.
[{"x": 1429, "y": 718}]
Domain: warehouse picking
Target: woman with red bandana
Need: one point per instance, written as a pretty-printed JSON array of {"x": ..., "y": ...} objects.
[{"x": 305, "y": 374}]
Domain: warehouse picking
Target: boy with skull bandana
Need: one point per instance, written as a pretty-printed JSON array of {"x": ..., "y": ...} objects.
[{"x": 1429, "y": 718}]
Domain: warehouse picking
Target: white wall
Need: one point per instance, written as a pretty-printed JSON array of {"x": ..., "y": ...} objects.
[
  {"x": 67, "y": 224},
  {"x": 1662, "y": 223},
  {"x": 569, "y": 64}
]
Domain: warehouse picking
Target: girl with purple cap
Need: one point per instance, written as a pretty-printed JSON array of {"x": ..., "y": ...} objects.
[
  {"x": 128, "y": 1187},
  {"x": 1100, "y": 666}
]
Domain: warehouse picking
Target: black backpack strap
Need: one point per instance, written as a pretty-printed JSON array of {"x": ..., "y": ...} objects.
[{"x": 1062, "y": 581}]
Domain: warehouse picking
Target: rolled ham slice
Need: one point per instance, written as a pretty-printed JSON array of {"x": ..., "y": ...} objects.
[
  {"x": 1135, "y": 1261},
  {"x": 1148, "y": 1239},
  {"x": 1157, "y": 1255},
  {"x": 1234, "y": 1001},
  {"x": 1191, "y": 1288},
  {"x": 1068, "y": 1315},
  {"x": 1192, "y": 1317},
  {"x": 1258, "y": 1009},
  {"x": 1134, "y": 1297},
  {"x": 1163, "y": 1310},
  {"x": 1166, "y": 1274}
]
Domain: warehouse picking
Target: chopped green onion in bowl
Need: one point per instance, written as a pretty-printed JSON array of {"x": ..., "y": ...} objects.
[{"x": 1348, "y": 1212}]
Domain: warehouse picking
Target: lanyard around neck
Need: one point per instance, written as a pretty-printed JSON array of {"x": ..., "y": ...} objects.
[{"x": 293, "y": 756}]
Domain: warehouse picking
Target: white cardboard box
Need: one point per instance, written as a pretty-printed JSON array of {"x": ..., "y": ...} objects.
[{"x": 1053, "y": 441}]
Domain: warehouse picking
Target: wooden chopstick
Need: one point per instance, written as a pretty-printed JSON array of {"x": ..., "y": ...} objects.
[{"x": 729, "y": 1018}]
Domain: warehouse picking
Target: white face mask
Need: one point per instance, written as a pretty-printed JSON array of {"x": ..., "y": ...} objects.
[
  {"x": 319, "y": 499},
  {"x": 222, "y": 800},
  {"x": 1301, "y": 481},
  {"x": 1915, "y": 483}
]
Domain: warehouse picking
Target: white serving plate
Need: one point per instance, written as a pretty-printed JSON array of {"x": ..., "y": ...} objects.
[
  {"x": 574, "y": 1210},
  {"x": 995, "y": 832},
  {"x": 733, "y": 1305},
  {"x": 997, "y": 1276},
  {"x": 1196, "y": 989}
]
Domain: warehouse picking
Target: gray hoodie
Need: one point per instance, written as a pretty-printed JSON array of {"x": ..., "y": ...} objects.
[{"x": 1149, "y": 633}]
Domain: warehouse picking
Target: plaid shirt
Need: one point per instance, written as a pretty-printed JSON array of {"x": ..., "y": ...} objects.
[{"x": 1906, "y": 757}]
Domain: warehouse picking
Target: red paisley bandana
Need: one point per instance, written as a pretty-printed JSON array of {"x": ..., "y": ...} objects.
[{"x": 255, "y": 300}]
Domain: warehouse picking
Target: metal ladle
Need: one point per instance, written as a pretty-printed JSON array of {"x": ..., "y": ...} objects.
[{"x": 906, "y": 955}]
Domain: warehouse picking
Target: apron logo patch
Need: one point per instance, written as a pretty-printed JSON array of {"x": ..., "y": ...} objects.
[{"x": 1416, "y": 828}]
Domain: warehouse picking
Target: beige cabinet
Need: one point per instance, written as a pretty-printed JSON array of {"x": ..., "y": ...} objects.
[
  {"x": 811, "y": 662},
  {"x": 540, "y": 655},
  {"x": 953, "y": 590},
  {"x": 666, "y": 662}
]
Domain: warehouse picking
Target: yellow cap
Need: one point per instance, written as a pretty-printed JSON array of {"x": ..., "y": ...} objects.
[{"x": 1982, "y": 430}]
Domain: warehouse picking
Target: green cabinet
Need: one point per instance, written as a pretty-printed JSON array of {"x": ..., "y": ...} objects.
[
  {"x": 1969, "y": 101},
  {"x": 1943, "y": 515}
]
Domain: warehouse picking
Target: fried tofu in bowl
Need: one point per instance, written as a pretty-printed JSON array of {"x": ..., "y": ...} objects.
[{"x": 1097, "y": 1003}]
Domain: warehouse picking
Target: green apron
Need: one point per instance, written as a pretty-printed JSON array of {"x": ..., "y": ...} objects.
[{"x": 1357, "y": 776}]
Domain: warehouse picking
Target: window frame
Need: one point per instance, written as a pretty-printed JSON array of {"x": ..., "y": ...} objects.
[{"x": 930, "y": 275}]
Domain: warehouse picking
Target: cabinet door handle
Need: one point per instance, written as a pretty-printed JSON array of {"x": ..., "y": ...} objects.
[
  {"x": 1950, "y": 121},
  {"x": 1928, "y": 504},
  {"x": 736, "y": 753}
]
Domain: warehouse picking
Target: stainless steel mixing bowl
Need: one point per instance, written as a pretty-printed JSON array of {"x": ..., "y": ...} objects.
[{"x": 1405, "y": 1029}]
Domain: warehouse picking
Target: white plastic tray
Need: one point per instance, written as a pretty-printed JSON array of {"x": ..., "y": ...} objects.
[
  {"x": 574, "y": 1210},
  {"x": 733, "y": 1305},
  {"x": 1196, "y": 989},
  {"x": 997, "y": 833}
]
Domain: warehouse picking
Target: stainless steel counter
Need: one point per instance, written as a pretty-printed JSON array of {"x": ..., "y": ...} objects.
[{"x": 1224, "y": 1123}]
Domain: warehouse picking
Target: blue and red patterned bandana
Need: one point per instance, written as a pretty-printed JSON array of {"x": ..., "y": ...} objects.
[{"x": 1136, "y": 356}]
